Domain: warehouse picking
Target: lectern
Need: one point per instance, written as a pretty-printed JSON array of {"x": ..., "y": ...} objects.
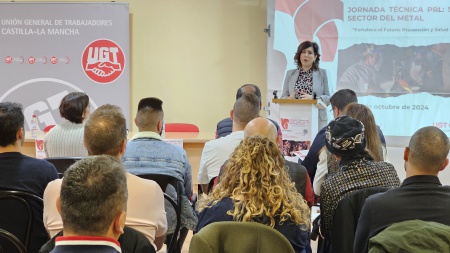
[{"x": 299, "y": 121}]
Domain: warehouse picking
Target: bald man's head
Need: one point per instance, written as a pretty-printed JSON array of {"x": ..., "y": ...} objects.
[
  {"x": 428, "y": 149},
  {"x": 261, "y": 127}
]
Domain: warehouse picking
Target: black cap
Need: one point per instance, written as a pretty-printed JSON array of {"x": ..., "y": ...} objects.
[{"x": 345, "y": 136}]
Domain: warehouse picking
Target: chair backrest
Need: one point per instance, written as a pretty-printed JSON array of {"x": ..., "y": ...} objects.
[
  {"x": 181, "y": 127},
  {"x": 62, "y": 163},
  {"x": 164, "y": 181},
  {"x": 239, "y": 237},
  {"x": 11, "y": 244},
  {"x": 346, "y": 218},
  {"x": 16, "y": 214}
]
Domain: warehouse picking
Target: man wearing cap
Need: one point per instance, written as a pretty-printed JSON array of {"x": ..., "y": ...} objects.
[{"x": 357, "y": 170}]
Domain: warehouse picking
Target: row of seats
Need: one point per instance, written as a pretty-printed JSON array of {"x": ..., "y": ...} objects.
[{"x": 16, "y": 209}]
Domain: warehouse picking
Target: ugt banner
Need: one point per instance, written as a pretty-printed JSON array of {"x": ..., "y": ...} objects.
[{"x": 51, "y": 49}]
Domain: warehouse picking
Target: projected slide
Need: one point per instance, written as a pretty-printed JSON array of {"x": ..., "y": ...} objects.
[{"x": 394, "y": 54}]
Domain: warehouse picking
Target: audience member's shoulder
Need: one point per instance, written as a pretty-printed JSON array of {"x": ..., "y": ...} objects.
[
  {"x": 380, "y": 197},
  {"x": 140, "y": 182},
  {"x": 225, "y": 121},
  {"x": 54, "y": 185},
  {"x": 212, "y": 143},
  {"x": 384, "y": 164},
  {"x": 322, "y": 131},
  {"x": 41, "y": 163},
  {"x": 174, "y": 148},
  {"x": 294, "y": 165}
]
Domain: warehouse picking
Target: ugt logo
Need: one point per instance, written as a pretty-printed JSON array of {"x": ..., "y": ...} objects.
[{"x": 103, "y": 61}]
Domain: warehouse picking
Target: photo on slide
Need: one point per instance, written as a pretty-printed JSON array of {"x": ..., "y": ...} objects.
[{"x": 389, "y": 70}]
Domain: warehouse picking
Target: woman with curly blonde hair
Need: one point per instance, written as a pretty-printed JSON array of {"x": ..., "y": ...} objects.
[{"x": 256, "y": 187}]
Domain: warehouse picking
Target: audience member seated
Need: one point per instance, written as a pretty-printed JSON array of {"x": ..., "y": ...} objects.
[
  {"x": 345, "y": 138},
  {"x": 264, "y": 128},
  {"x": 421, "y": 195},
  {"x": 256, "y": 188},
  {"x": 216, "y": 152},
  {"x": 224, "y": 127},
  {"x": 147, "y": 153},
  {"x": 328, "y": 165},
  {"x": 105, "y": 133},
  {"x": 66, "y": 139},
  {"x": 19, "y": 172},
  {"x": 338, "y": 101},
  {"x": 93, "y": 205}
]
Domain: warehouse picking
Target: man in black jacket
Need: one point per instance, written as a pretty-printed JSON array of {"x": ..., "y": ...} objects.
[{"x": 421, "y": 195}]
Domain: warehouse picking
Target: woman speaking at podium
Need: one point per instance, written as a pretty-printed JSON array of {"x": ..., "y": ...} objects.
[{"x": 308, "y": 81}]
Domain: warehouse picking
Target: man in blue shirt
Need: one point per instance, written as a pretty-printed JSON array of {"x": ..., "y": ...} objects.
[{"x": 147, "y": 153}]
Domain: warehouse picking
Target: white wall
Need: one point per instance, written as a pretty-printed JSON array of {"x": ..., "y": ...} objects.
[{"x": 396, "y": 147}]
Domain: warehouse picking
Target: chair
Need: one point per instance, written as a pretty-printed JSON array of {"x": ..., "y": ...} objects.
[
  {"x": 11, "y": 239},
  {"x": 62, "y": 163},
  {"x": 16, "y": 216},
  {"x": 239, "y": 237},
  {"x": 346, "y": 218},
  {"x": 181, "y": 127},
  {"x": 176, "y": 240}
]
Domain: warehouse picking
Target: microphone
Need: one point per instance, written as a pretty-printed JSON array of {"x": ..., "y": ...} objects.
[{"x": 275, "y": 94}]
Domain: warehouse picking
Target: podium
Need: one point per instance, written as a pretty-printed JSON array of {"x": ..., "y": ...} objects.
[{"x": 299, "y": 121}]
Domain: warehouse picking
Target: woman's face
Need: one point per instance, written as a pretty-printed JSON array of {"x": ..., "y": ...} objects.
[{"x": 307, "y": 57}]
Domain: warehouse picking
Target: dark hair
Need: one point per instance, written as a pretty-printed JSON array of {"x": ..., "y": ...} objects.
[
  {"x": 105, "y": 131},
  {"x": 152, "y": 103},
  {"x": 73, "y": 105},
  {"x": 246, "y": 108},
  {"x": 304, "y": 45},
  {"x": 93, "y": 193},
  {"x": 342, "y": 98},
  {"x": 11, "y": 120},
  {"x": 149, "y": 114},
  {"x": 428, "y": 149},
  {"x": 243, "y": 89}
]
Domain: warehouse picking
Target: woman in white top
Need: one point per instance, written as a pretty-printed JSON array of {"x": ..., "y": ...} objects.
[{"x": 66, "y": 139}]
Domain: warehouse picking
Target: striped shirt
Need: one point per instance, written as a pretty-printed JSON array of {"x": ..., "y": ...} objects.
[{"x": 65, "y": 139}]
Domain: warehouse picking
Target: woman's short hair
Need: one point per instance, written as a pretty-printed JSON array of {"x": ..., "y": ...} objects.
[
  {"x": 304, "y": 45},
  {"x": 73, "y": 105}
]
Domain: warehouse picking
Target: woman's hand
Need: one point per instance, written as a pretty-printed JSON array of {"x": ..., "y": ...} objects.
[
  {"x": 292, "y": 96},
  {"x": 305, "y": 96}
]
